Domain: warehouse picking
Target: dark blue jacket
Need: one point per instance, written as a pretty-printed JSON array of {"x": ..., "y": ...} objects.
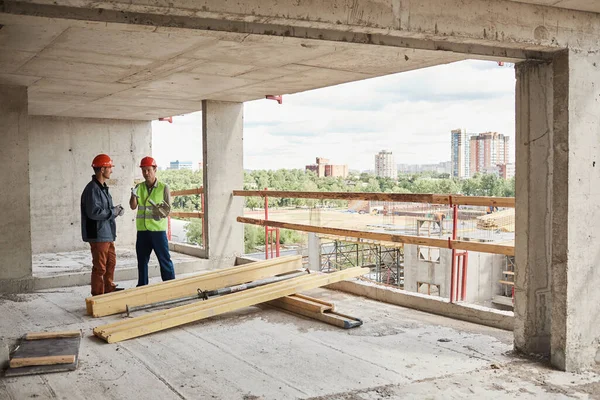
[{"x": 97, "y": 213}]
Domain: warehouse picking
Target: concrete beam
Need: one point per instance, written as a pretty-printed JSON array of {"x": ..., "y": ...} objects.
[
  {"x": 533, "y": 243},
  {"x": 495, "y": 28},
  {"x": 222, "y": 146},
  {"x": 15, "y": 240}
]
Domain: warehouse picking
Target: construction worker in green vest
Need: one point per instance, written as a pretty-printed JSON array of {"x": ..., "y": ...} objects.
[{"x": 153, "y": 202}]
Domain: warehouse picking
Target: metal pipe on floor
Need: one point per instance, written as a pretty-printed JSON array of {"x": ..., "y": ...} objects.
[{"x": 205, "y": 295}]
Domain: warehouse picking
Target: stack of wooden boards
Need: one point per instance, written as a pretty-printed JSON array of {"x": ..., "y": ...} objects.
[
  {"x": 44, "y": 352},
  {"x": 118, "y": 302},
  {"x": 500, "y": 220}
]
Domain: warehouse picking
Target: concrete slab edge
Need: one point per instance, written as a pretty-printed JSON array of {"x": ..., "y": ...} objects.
[
  {"x": 123, "y": 274},
  {"x": 465, "y": 312},
  {"x": 189, "y": 249}
]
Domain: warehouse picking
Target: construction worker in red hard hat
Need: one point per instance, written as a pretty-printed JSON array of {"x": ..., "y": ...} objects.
[
  {"x": 98, "y": 226},
  {"x": 153, "y": 202}
]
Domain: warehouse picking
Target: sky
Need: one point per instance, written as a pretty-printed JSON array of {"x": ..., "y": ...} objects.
[{"x": 410, "y": 113}]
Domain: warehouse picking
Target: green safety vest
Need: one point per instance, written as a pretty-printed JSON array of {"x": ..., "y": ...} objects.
[{"x": 144, "y": 220}]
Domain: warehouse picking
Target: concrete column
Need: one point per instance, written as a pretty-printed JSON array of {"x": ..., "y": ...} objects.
[
  {"x": 575, "y": 337},
  {"x": 314, "y": 252},
  {"x": 15, "y": 238},
  {"x": 222, "y": 146},
  {"x": 534, "y": 169}
]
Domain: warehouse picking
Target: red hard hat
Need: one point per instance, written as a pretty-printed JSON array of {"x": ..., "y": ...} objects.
[
  {"x": 147, "y": 162},
  {"x": 102, "y": 160}
]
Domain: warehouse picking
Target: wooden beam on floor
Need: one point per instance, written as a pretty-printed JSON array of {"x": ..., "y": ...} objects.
[
  {"x": 51, "y": 335},
  {"x": 161, "y": 320},
  {"x": 387, "y": 237},
  {"x": 114, "y": 303},
  {"x": 315, "y": 309},
  {"x": 48, "y": 360}
]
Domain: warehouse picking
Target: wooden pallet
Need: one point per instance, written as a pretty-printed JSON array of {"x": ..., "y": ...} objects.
[
  {"x": 117, "y": 302},
  {"x": 45, "y": 352},
  {"x": 160, "y": 320}
]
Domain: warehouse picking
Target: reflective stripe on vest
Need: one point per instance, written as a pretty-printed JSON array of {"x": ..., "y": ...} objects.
[{"x": 144, "y": 220}]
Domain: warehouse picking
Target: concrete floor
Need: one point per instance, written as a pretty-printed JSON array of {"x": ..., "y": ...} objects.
[
  {"x": 51, "y": 264},
  {"x": 261, "y": 353}
]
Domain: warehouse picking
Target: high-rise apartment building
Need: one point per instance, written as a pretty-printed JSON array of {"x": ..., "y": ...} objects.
[
  {"x": 487, "y": 150},
  {"x": 385, "y": 166},
  {"x": 460, "y": 154}
]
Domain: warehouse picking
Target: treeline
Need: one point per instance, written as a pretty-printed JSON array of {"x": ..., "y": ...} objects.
[{"x": 300, "y": 180}]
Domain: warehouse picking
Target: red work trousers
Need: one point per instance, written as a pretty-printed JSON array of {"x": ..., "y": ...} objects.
[{"x": 104, "y": 260}]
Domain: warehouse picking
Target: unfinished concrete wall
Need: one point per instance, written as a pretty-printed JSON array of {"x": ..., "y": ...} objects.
[
  {"x": 15, "y": 240},
  {"x": 222, "y": 146},
  {"x": 533, "y": 241},
  {"x": 61, "y": 152},
  {"x": 484, "y": 270},
  {"x": 575, "y": 337},
  {"x": 417, "y": 270}
]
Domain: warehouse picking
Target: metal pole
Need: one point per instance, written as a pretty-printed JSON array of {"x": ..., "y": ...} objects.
[
  {"x": 465, "y": 262},
  {"x": 219, "y": 292},
  {"x": 266, "y": 227},
  {"x": 203, "y": 218},
  {"x": 453, "y": 273}
]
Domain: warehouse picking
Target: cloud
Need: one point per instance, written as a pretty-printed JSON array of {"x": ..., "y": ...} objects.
[{"x": 409, "y": 113}]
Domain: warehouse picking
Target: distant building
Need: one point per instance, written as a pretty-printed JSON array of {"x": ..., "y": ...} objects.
[
  {"x": 440, "y": 168},
  {"x": 385, "y": 166},
  {"x": 506, "y": 171},
  {"x": 180, "y": 165},
  {"x": 323, "y": 168},
  {"x": 459, "y": 154},
  {"x": 200, "y": 166},
  {"x": 487, "y": 151}
]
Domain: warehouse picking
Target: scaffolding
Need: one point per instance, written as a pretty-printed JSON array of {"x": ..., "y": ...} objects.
[{"x": 386, "y": 260}]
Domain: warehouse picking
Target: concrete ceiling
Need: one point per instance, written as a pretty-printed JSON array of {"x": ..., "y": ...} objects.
[
  {"x": 91, "y": 69},
  {"x": 581, "y": 5}
]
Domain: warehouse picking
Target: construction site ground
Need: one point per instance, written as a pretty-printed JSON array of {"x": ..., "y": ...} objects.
[{"x": 262, "y": 353}]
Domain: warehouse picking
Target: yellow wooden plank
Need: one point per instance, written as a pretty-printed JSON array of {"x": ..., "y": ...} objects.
[
  {"x": 185, "y": 314},
  {"x": 297, "y": 302},
  {"x": 417, "y": 240},
  {"x": 142, "y": 319},
  {"x": 114, "y": 303},
  {"x": 507, "y": 283},
  {"x": 49, "y": 360},
  {"x": 52, "y": 335},
  {"x": 181, "y": 214},
  {"x": 187, "y": 192}
]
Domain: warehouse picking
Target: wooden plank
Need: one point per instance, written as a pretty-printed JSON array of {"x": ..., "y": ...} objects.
[
  {"x": 391, "y": 197},
  {"x": 328, "y": 316},
  {"x": 141, "y": 320},
  {"x": 114, "y": 303},
  {"x": 508, "y": 272},
  {"x": 507, "y": 283},
  {"x": 417, "y": 240},
  {"x": 181, "y": 214},
  {"x": 187, "y": 192},
  {"x": 154, "y": 322},
  {"x": 52, "y": 335},
  {"x": 305, "y": 304},
  {"x": 46, "y": 348},
  {"x": 48, "y": 360}
]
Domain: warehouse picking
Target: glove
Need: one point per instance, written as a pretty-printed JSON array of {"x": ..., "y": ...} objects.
[
  {"x": 134, "y": 192},
  {"x": 160, "y": 211},
  {"x": 118, "y": 210}
]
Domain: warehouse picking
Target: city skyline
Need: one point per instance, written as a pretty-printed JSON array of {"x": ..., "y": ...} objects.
[{"x": 409, "y": 114}]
